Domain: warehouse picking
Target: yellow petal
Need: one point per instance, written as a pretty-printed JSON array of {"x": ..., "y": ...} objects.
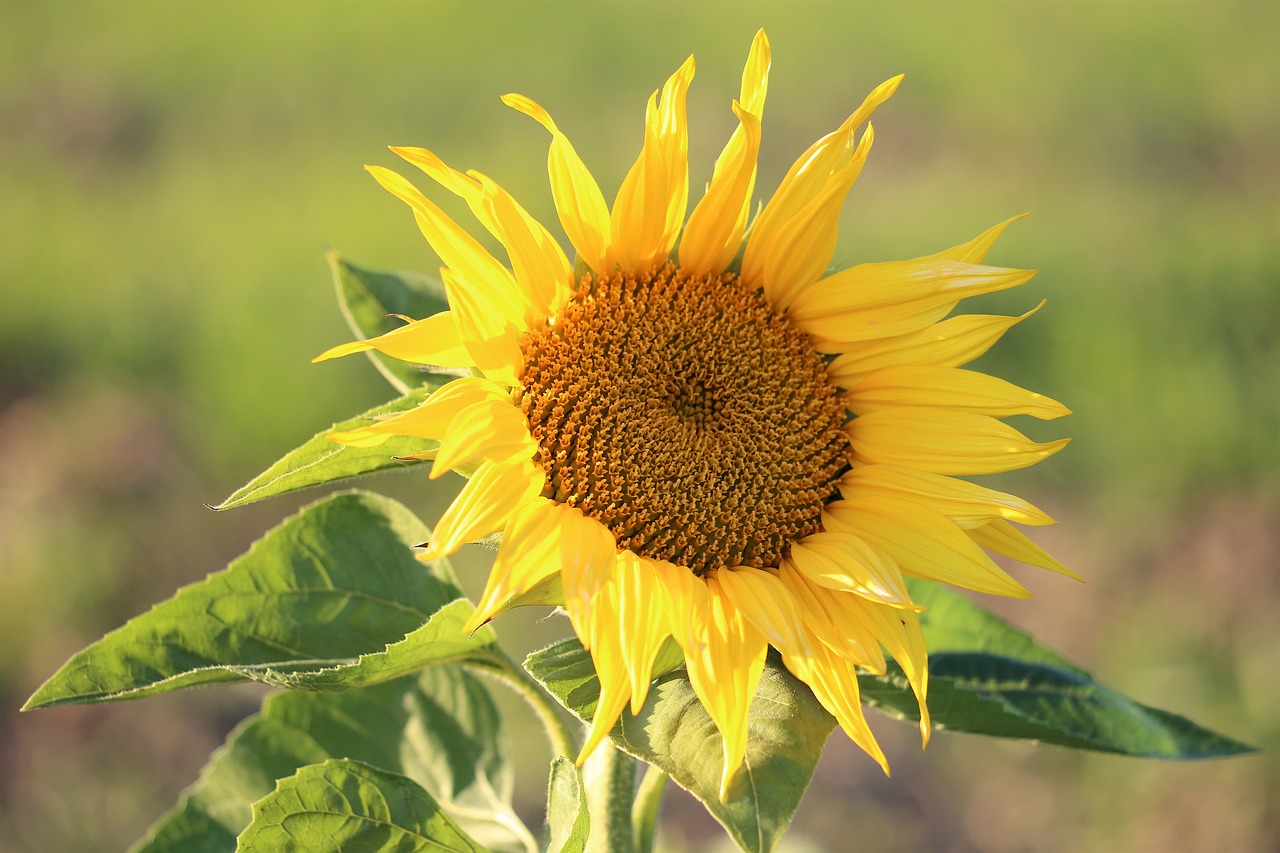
[
  {"x": 871, "y": 301},
  {"x": 611, "y": 667},
  {"x": 528, "y": 555},
  {"x": 650, "y": 205},
  {"x": 687, "y": 602},
  {"x": 899, "y": 632},
  {"x": 714, "y": 231},
  {"x": 493, "y": 430},
  {"x": 967, "y": 504},
  {"x": 491, "y": 339},
  {"x": 948, "y": 388},
  {"x": 641, "y": 628},
  {"x": 766, "y": 601},
  {"x": 428, "y": 421},
  {"x": 834, "y": 682},
  {"x": 839, "y": 560},
  {"x": 944, "y": 442},
  {"x": 469, "y": 260},
  {"x": 484, "y": 505},
  {"x": 950, "y": 343},
  {"x": 579, "y": 202},
  {"x": 432, "y": 341},
  {"x": 725, "y": 673},
  {"x": 923, "y": 543},
  {"x": 976, "y": 249},
  {"x": 850, "y": 638},
  {"x": 537, "y": 261},
  {"x": 588, "y": 554},
  {"x": 1002, "y": 537}
]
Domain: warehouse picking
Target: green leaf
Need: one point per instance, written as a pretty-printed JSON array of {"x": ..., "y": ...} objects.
[
  {"x": 786, "y": 731},
  {"x": 349, "y": 807},
  {"x": 320, "y": 461},
  {"x": 568, "y": 822},
  {"x": 369, "y": 299},
  {"x": 440, "y": 729},
  {"x": 986, "y": 677},
  {"x": 333, "y": 597}
]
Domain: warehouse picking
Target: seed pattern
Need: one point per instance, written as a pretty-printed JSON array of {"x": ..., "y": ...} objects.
[{"x": 687, "y": 416}]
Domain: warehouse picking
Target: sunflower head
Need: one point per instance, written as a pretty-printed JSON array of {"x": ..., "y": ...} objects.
[{"x": 707, "y": 436}]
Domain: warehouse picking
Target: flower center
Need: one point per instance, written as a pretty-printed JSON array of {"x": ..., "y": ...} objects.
[{"x": 686, "y": 415}]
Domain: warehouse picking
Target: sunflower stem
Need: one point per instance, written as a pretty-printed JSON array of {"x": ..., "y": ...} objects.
[
  {"x": 644, "y": 812},
  {"x": 610, "y": 780},
  {"x": 503, "y": 668}
]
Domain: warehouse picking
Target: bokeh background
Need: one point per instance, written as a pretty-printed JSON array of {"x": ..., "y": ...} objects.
[{"x": 169, "y": 176}]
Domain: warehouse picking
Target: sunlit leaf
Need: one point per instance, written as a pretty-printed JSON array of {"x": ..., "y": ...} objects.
[
  {"x": 333, "y": 597},
  {"x": 320, "y": 462},
  {"x": 568, "y": 822},
  {"x": 986, "y": 677},
  {"x": 343, "y": 806},
  {"x": 369, "y": 301},
  {"x": 787, "y": 729},
  {"x": 440, "y": 729}
]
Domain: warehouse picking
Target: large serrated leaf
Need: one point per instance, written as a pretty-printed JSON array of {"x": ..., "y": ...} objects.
[
  {"x": 568, "y": 822},
  {"x": 343, "y": 806},
  {"x": 307, "y": 605},
  {"x": 440, "y": 729},
  {"x": 320, "y": 462},
  {"x": 786, "y": 731},
  {"x": 987, "y": 677},
  {"x": 369, "y": 301}
]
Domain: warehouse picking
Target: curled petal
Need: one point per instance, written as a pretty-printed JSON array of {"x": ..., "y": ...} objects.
[
  {"x": 843, "y": 561},
  {"x": 766, "y": 601},
  {"x": 492, "y": 430}
]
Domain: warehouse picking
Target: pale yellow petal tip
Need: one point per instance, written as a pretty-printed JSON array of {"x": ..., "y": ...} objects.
[{"x": 342, "y": 349}]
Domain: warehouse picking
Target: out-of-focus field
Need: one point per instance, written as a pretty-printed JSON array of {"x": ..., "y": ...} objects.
[{"x": 169, "y": 176}]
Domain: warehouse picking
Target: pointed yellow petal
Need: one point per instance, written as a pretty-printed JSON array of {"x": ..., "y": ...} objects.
[
  {"x": 948, "y": 388},
  {"x": 687, "y": 602},
  {"x": 715, "y": 228},
  {"x": 611, "y": 667},
  {"x": 369, "y": 436},
  {"x": 755, "y": 75},
  {"x": 899, "y": 632},
  {"x": 923, "y": 543},
  {"x": 967, "y": 504},
  {"x": 579, "y": 202},
  {"x": 493, "y": 430},
  {"x": 651, "y": 202},
  {"x": 944, "y": 442},
  {"x": 469, "y": 260},
  {"x": 588, "y": 554},
  {"x": 950, "y": 343},
  {"x": 976, "y": 249},
  {"x": 839, "y": 560},
  {"x": 834, "y": 682},
  {"x": 1002, "y": 537},
  {"x": 871, "y": 301},
  {"x": 766, "y": 601},
  {"x": 432, "y": 341},
  {"x": 849, "y": 637},
  {"x": 431, "y": 419},
  {"x": 491, "y": 339},
  {"x": 529, "y": 552},
  {"x": 484, "y": 505},
  {"x": 725, "y": 673},
  {"x": 641, "y": 627}
]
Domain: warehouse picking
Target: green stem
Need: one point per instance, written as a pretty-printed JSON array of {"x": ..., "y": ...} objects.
[
  {"x": 644, "y": 813},
  {"x": 610, "y": 780},
  {"x": 498, "y": 665}
]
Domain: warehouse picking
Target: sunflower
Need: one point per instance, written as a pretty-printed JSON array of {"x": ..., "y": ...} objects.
[{"x": 705, "y": 435}]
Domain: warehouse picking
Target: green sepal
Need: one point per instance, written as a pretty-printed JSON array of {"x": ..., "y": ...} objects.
[
  {"x": 343, "y": 806},
  {"x": 331, "y": 598}
]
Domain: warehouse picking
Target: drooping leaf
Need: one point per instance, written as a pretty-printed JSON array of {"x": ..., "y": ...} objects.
[
  {"x": 986, "y": 677},
  {"x": 320, "y": 461},
  {"x": 342, "y": 806},
  {"x": 369, "y": 301},
  {"x": 786, "y": 731},
  {"x": 568, "y": 822},
  {"x": 440, "y": 729},
  {"x": 335, "y": 582}
]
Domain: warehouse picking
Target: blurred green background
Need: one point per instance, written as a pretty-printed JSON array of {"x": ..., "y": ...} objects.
[{"x": 169, "y": 176}]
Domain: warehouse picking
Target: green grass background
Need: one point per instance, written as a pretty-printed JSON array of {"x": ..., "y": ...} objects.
[{"x": 169, "y": 176}]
